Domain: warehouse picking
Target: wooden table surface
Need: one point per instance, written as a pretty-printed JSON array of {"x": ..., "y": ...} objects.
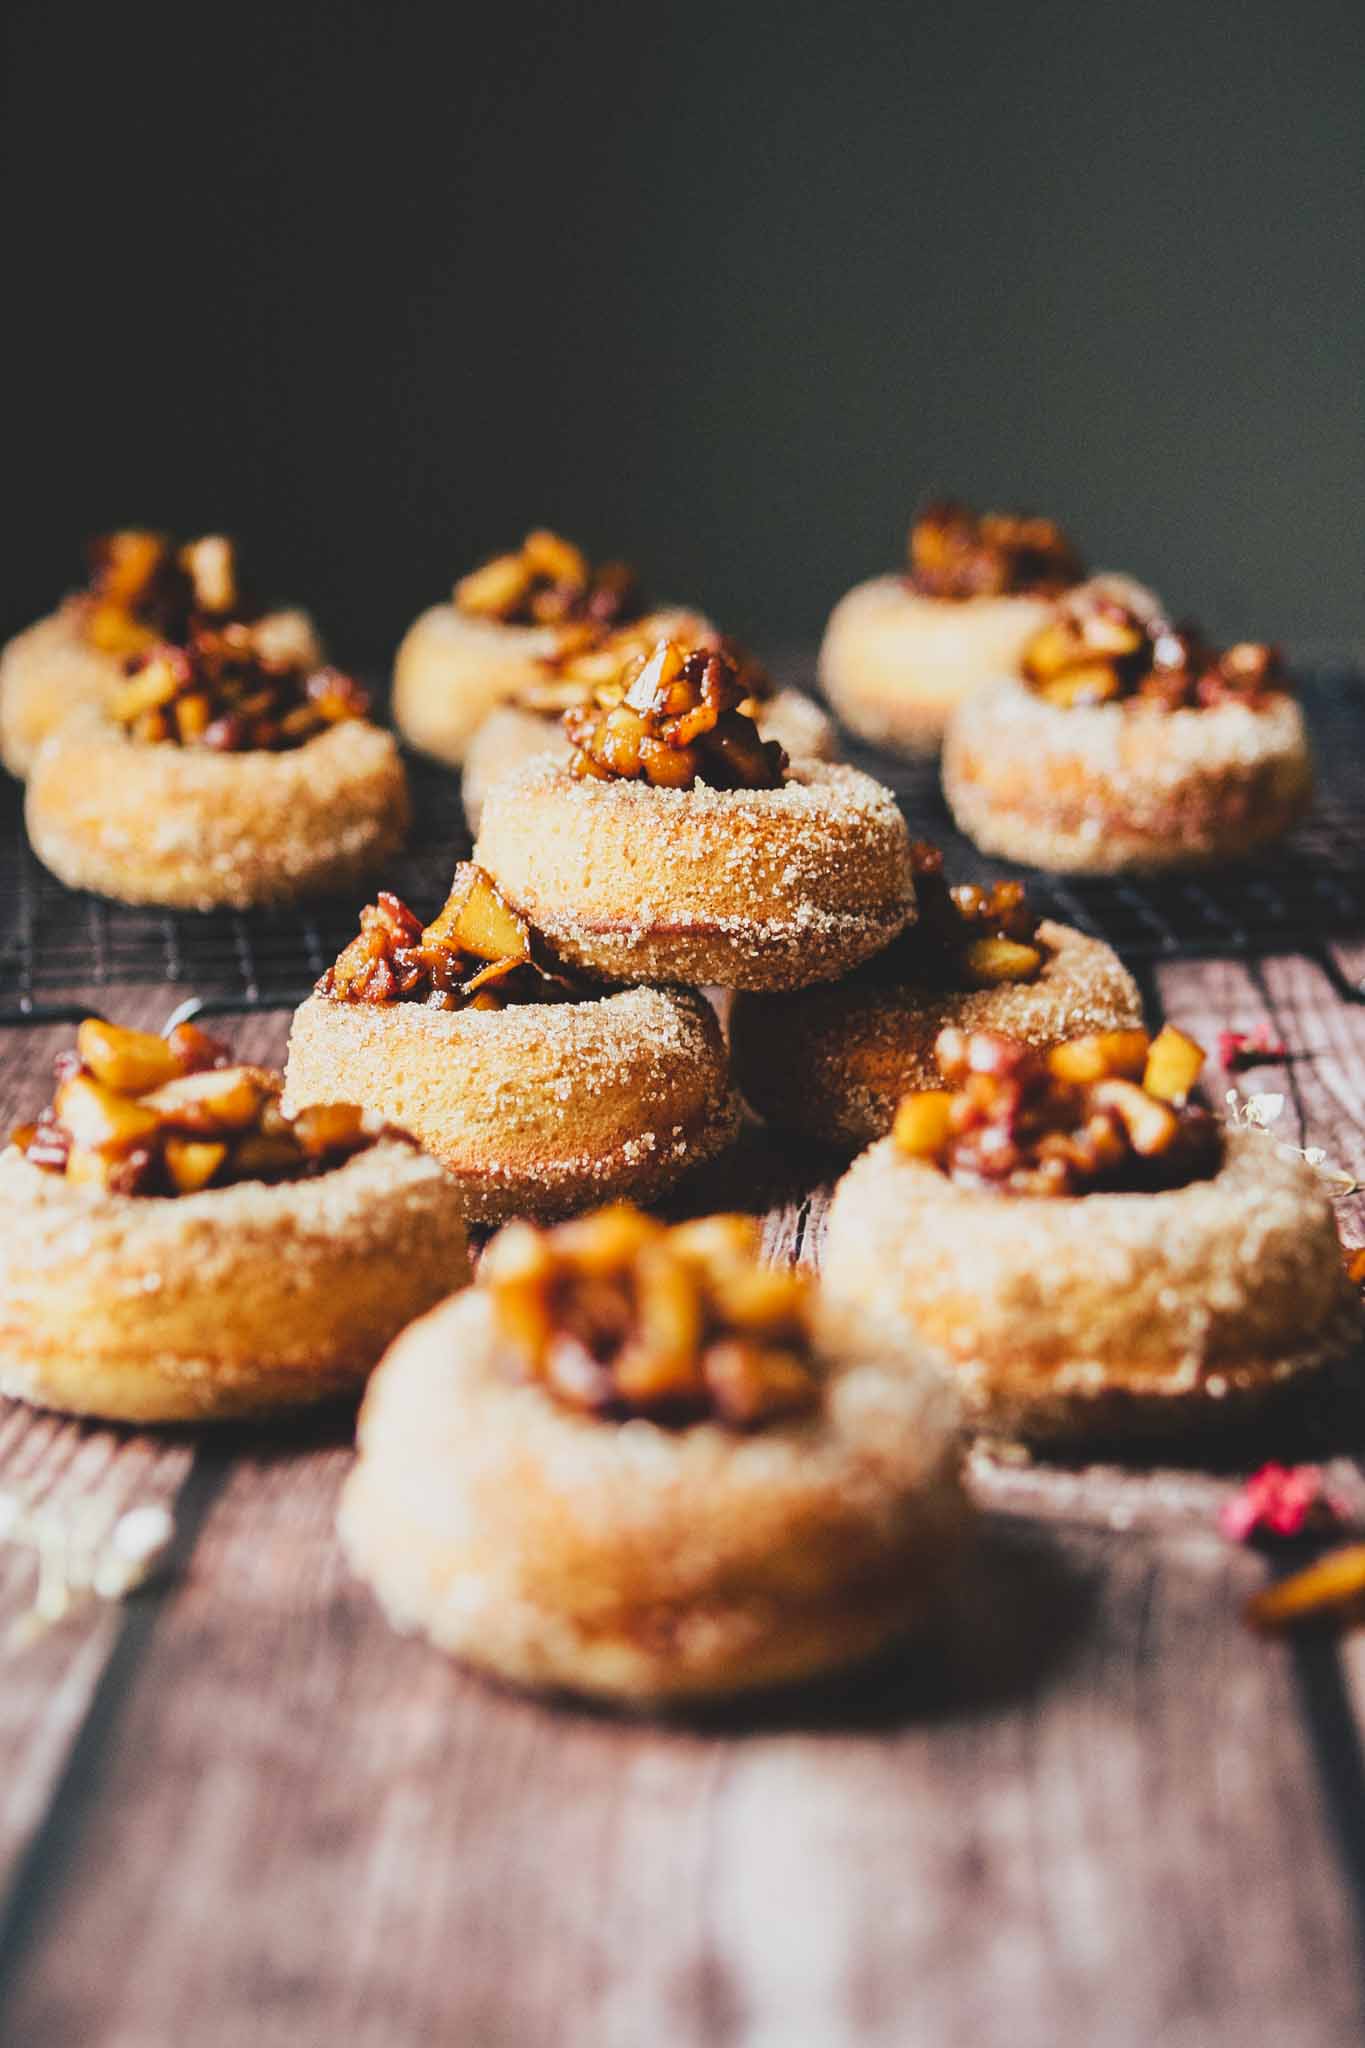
[{"x": 1096, "y": 1810}]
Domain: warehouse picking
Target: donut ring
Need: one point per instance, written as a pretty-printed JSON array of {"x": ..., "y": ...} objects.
[
  {"x": 1110, "y": 788},
  {"x": 833, "y": 1062},
  {"x": 537, "y": 1109},
  {"x": 636, "y": 1563},
  {"x": 1104, "y": 1316},
  {"x": 511, "y": 736},
  {"x": 197, "y": 830},
  {"x": 742, "y": 888},
  {"x": 896, "y": 664},
  {"x": 237, "y": 1301}
]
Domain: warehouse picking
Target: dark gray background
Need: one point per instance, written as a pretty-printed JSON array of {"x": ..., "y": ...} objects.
[{"x": 724, "y": 288}]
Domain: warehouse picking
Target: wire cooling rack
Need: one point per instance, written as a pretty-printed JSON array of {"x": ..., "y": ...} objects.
[{"x": 55, "y": 941}]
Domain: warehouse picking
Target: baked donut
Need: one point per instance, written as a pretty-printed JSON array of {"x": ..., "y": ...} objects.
[
  {"x": 175, "y": 1249},
  {"x": 679, "y": 846},
  {"x": 901, "y": 653},
  {"x": 529, "y": 724},
  {"x": 142, "y": 589},
  {"x": 1095, "y": 1261},
  {"x": 1124, "y": 743},
  {"x": 833, "y": 1062},
  {"x": 538, "y": 1094},
  {"x": 458, "y": 660},
  {"x": 228, "y": 771},
  {"x": 637, "y": 1466}
]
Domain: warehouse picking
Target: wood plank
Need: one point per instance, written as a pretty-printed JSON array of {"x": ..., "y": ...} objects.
[{"x": 324, "y": 1832}]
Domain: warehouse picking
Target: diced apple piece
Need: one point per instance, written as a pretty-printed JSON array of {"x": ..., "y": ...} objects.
[
  {"x": 608, "y": 1239},
  {"x": 1051, "y": 650},
  {"x": 223, "y": 1099},
  {"x": 476, "y": 919},
  {"x": 130, "y": 1062},
  {"x": 663, "y": 1362},
  {"x": 1094, "y": 682},
  {"x": 992, "y": 960},
  {"x": 557, "y": 560},
  {"x": 154, "y": 685},
  {"x": 716, "y": 1240},
  {"x": 112, "y": 630},
  {"x": 495, "y": 589},
  {"x": 330, "y": 1127},
  {"x": 1151, "y": 1125},
  {"x": 658, "y": 671},
  {"x": 773, "y": 1300},
  {"x": 1102, "y": 1054},
  {"x": 192, "y": 1162},
  {"x": 923, "y": 1122},
  {"x": 211, "y": 568},
  {"x": 256, "y": 1157},
  {"x": 193, "y": 717},
  {"x": 1173, "y": 1065},
  {"x": 86, "y": 1168},
  {"x": 100, "y": 1119},
  {"x": 128, "y": 560},
  {"x": 752, "y": 1383}
]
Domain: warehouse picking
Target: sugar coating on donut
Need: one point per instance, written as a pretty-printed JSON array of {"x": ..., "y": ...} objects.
[
  {"x": 803, "y": 880},
  {"x": 537, "y": 1104},
  {"x": 1062, "y": 1315},
  {"x": 1104, "y": 786}
]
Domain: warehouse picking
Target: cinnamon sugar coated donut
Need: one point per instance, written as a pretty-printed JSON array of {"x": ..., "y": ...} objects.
[
  {"x": 536, "y": 1109},
  {"x": 1107, "y": 1316},
  {"x": 236, "y": 1301},
  {"x": 195, "y": 829},
  {"x": 832, "y": 1062},
  {"x": 745, "y": 888},
  {"x": 639, "y": 1563},
  {"x": 1107, "y": 788}
]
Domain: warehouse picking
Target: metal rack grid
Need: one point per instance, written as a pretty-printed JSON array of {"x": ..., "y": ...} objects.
[{"x": 54, "y": 940}]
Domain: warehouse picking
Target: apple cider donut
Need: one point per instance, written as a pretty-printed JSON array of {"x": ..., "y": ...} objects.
[
  {"x": 538, "y": 1094},
  {"x": 176, "y": 1249},
  {"x": 833, "y": 1062},
  {"x": 901, "y": 652},
  {"x": 530, "y": 724},
  {"x": 634, "y": 1464},
  {"x": 1096, "y": 1259},
  {"x": 679, "y": 846},
  {"x": 228, "y": 771},
  {"x": 1125, "y": 743},
  {"x": 143, "y": 588},
  {"x": 459, "y": 660}
]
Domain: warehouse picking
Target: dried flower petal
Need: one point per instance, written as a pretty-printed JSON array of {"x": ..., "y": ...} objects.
[{"x": 1281, "y": 1501}]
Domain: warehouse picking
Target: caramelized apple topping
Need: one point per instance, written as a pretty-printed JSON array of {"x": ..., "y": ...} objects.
[
  {"x": 1104, "y": 1114},
  {"x": 235, "y": 686},
  {"x": 144, "y": 588},
  {"x": 964, "y": 936},
  {"x": 591, "y": 667},
  {"x": 549, "y": 582},
  {"x": 476, "y": 954},
  {"x": 958, "y": 553},
  {"x": 1098, "y": 649},
  {"x": 140, "y": 1115},
  {"x": 678, "y": 722},
  {"x": 618, "y": 1315}
]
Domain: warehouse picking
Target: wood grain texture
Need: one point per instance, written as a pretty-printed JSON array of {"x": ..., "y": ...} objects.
[{"x": 1094, "y": 1811}]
